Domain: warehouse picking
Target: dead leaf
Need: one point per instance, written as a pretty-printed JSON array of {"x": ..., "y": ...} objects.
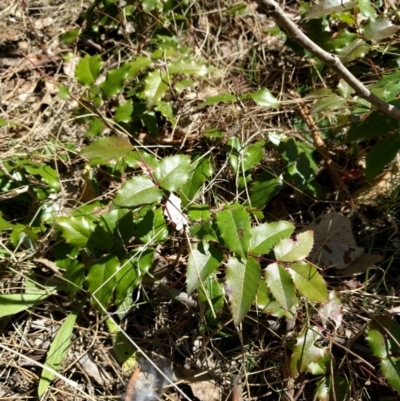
[
  {"x": 206, "y": 390},
  {"x": 335, "y": 246}
]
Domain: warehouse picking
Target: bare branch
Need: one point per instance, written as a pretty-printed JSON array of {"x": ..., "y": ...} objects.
[{"x": 270, "y": 7}]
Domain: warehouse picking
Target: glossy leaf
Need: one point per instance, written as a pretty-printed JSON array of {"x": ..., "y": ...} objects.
[
  {"x": 156, "y": 86},
  {"x": 248, "y": 157},
  {"x": 214, "y": 292},
  {"x": 173, "y": 172},
  {"x": 281, "y": 285},
  {"x": 264, "y": 188},
  {"x": 234, "y": 226},
  {"x": 391, "y": 371},
  {"x": 367, "y": 10},
  {"x": 381, "y": 154},
  {"x": 379, "y": 28},
  {"x": 223, "y": 98},
  {"x": 151, "y": 5},
  {"x": 326, "y": 7},
  {"x": 138, "y": 65},
  {"x": 242, "y": 280},
  {"x": 292, "y": 250},
  {"x": 188, "y": 67},
  {"x": 268, "y": 304},
  {"x": 152, "y": 228},
  {"x": 105, "y": 149},
  {"x": 265, "y": 236},
  {"x": 195, "y": 213},
  {"x": 355, "y": 50},
  {"x": 123, "y": 113},
  {"x": 309, "y": 282},
  {"x": 264, "y": 97},
  {"x": 101, "y": 280},
  {"x": 383, "y": 337},
  {"x": 57, "y": 352},
  {"x": 88, "y": 69},
  {"x": 11, "y": 304},
  {"x": 306, "y": 351},
  {"x": 76, "y": 230},
  {"x": 328, "y": 103},
  {"x": 48, "y": 174},
  {"x": 114, "y": 81},
  {"x": 136, "y": 192},
  {"x": 204, "y": 231},
  {"x": 203, "y": 260}
]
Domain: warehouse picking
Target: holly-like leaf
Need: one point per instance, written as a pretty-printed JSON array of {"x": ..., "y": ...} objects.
[
  {"x": 333, "y": 309},
  {"x": 248, "y": 157},
  {"x": 328, "y": 103},
  {"x": 281, "y": 285},
  {"x": 293, "y": 250},
  {"x": 137, "y": 65},
  {"x": 172, "y": 172},
  {"x": 234, "y": 225},
  {"x": 213, "y": 293},
  {"x": 267, "y": 303},
  {"x": 381, "y": 154},
  {"x": 88, "y": 69},
  {"x": 57, "y": 352},
  {"x": 151, "y": 5},
  {"x": 264, "y": 188},
  {"x": 379, "y": 28},
  {"x": 136, "y": 192},
  {"x": 48, "y": 174},
  {"x": 242, "y": 280},
  {"x": 223, "y": 98},
  {"x": 326, "y": 7},
  {"x": 156, "y": 86},
  {"x": 203, "y": 260},
  {"x": 101, "y": 280},
  {"x": 188, "y": 67},
  {"x": 152, "y": 228},
  {"x": 114, "y": 81},
  {"x": 308, "y": 281},
  {"x": 76, "y": 230},
  {"x": 103, "y": 150},
  {"x": 305, "y": 351},
  {"x": 367, "y": 10},
  {"x": 265, "y": 236},
  {"x": 123, "y": 113}
]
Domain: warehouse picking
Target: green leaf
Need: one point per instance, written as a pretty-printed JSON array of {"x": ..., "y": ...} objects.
[
  {"x": 381, "y": 154},
  {"x": 264, "y": 97},
  {"x": 114, "y": 81},
  {"x": 76, "y": 230},
  {"x": 74, "y": 277},
  {"x": 70, "y": 36},
  {"x": 355, "y": 50},
  {"x": 265, "y": 236},
  {"x": 195, "y": 213},
  {"x": 234, "y": 225},
  {"x": 203, "y": 260},
  {"x": 49, "y": 175},
  {"x": 172, "y": 172},
  {"x": 305, "y": 351},
  {"x": 137, "y": 65},
  {"x": 391, "y": 371},
  {"x": 11, "y": 304},
  {"x": 88, "y": 69},
  {"x": 379, "y": 29},
  {"x": 375, "y": 125},
  {"x": 123, "y": 113},
  {"x": 267, "y": 304},
  {"x": 151, "y": 5},
  {"x": 152, "y": 228},
  {"x": 204, "y": 231},
  {"x": 242, "y": 280},
  {"x": 4, "y": 224},
  {"x": 248, "y": 157},
  {"x": 105, "y": 149},
  {"x": 326, "y": 7},
  {"x": 213, "y": 292},
  {"x": 223, "y": 98},
  {"x": 292, "y": 250},
  {"x": 124, "y": 351},
  {"x": 188, "y": 67},
  {"x": 281, "y": 285},
  {"x": 200, "y": 171},
  {"x": 383, "y": 337},
  {"x": 309, "y": 282},
  {"x": 156, "y": 85},
  {"x": 126, "y": 280},
  {"x": 328, "y": 103},
  {"x": 366, "y": 9},
  {"x": 63, "y": 92},
  {"x": 101, "y": 280},
  {"x": 96, "y": 127},
  {"x": 136, "y": 192},
  {"x": 264, "y": 188},
  {"x": 57, "y": 352}
]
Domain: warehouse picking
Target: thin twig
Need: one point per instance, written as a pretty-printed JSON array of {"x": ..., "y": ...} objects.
[{"x": 270, "y": 7}]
